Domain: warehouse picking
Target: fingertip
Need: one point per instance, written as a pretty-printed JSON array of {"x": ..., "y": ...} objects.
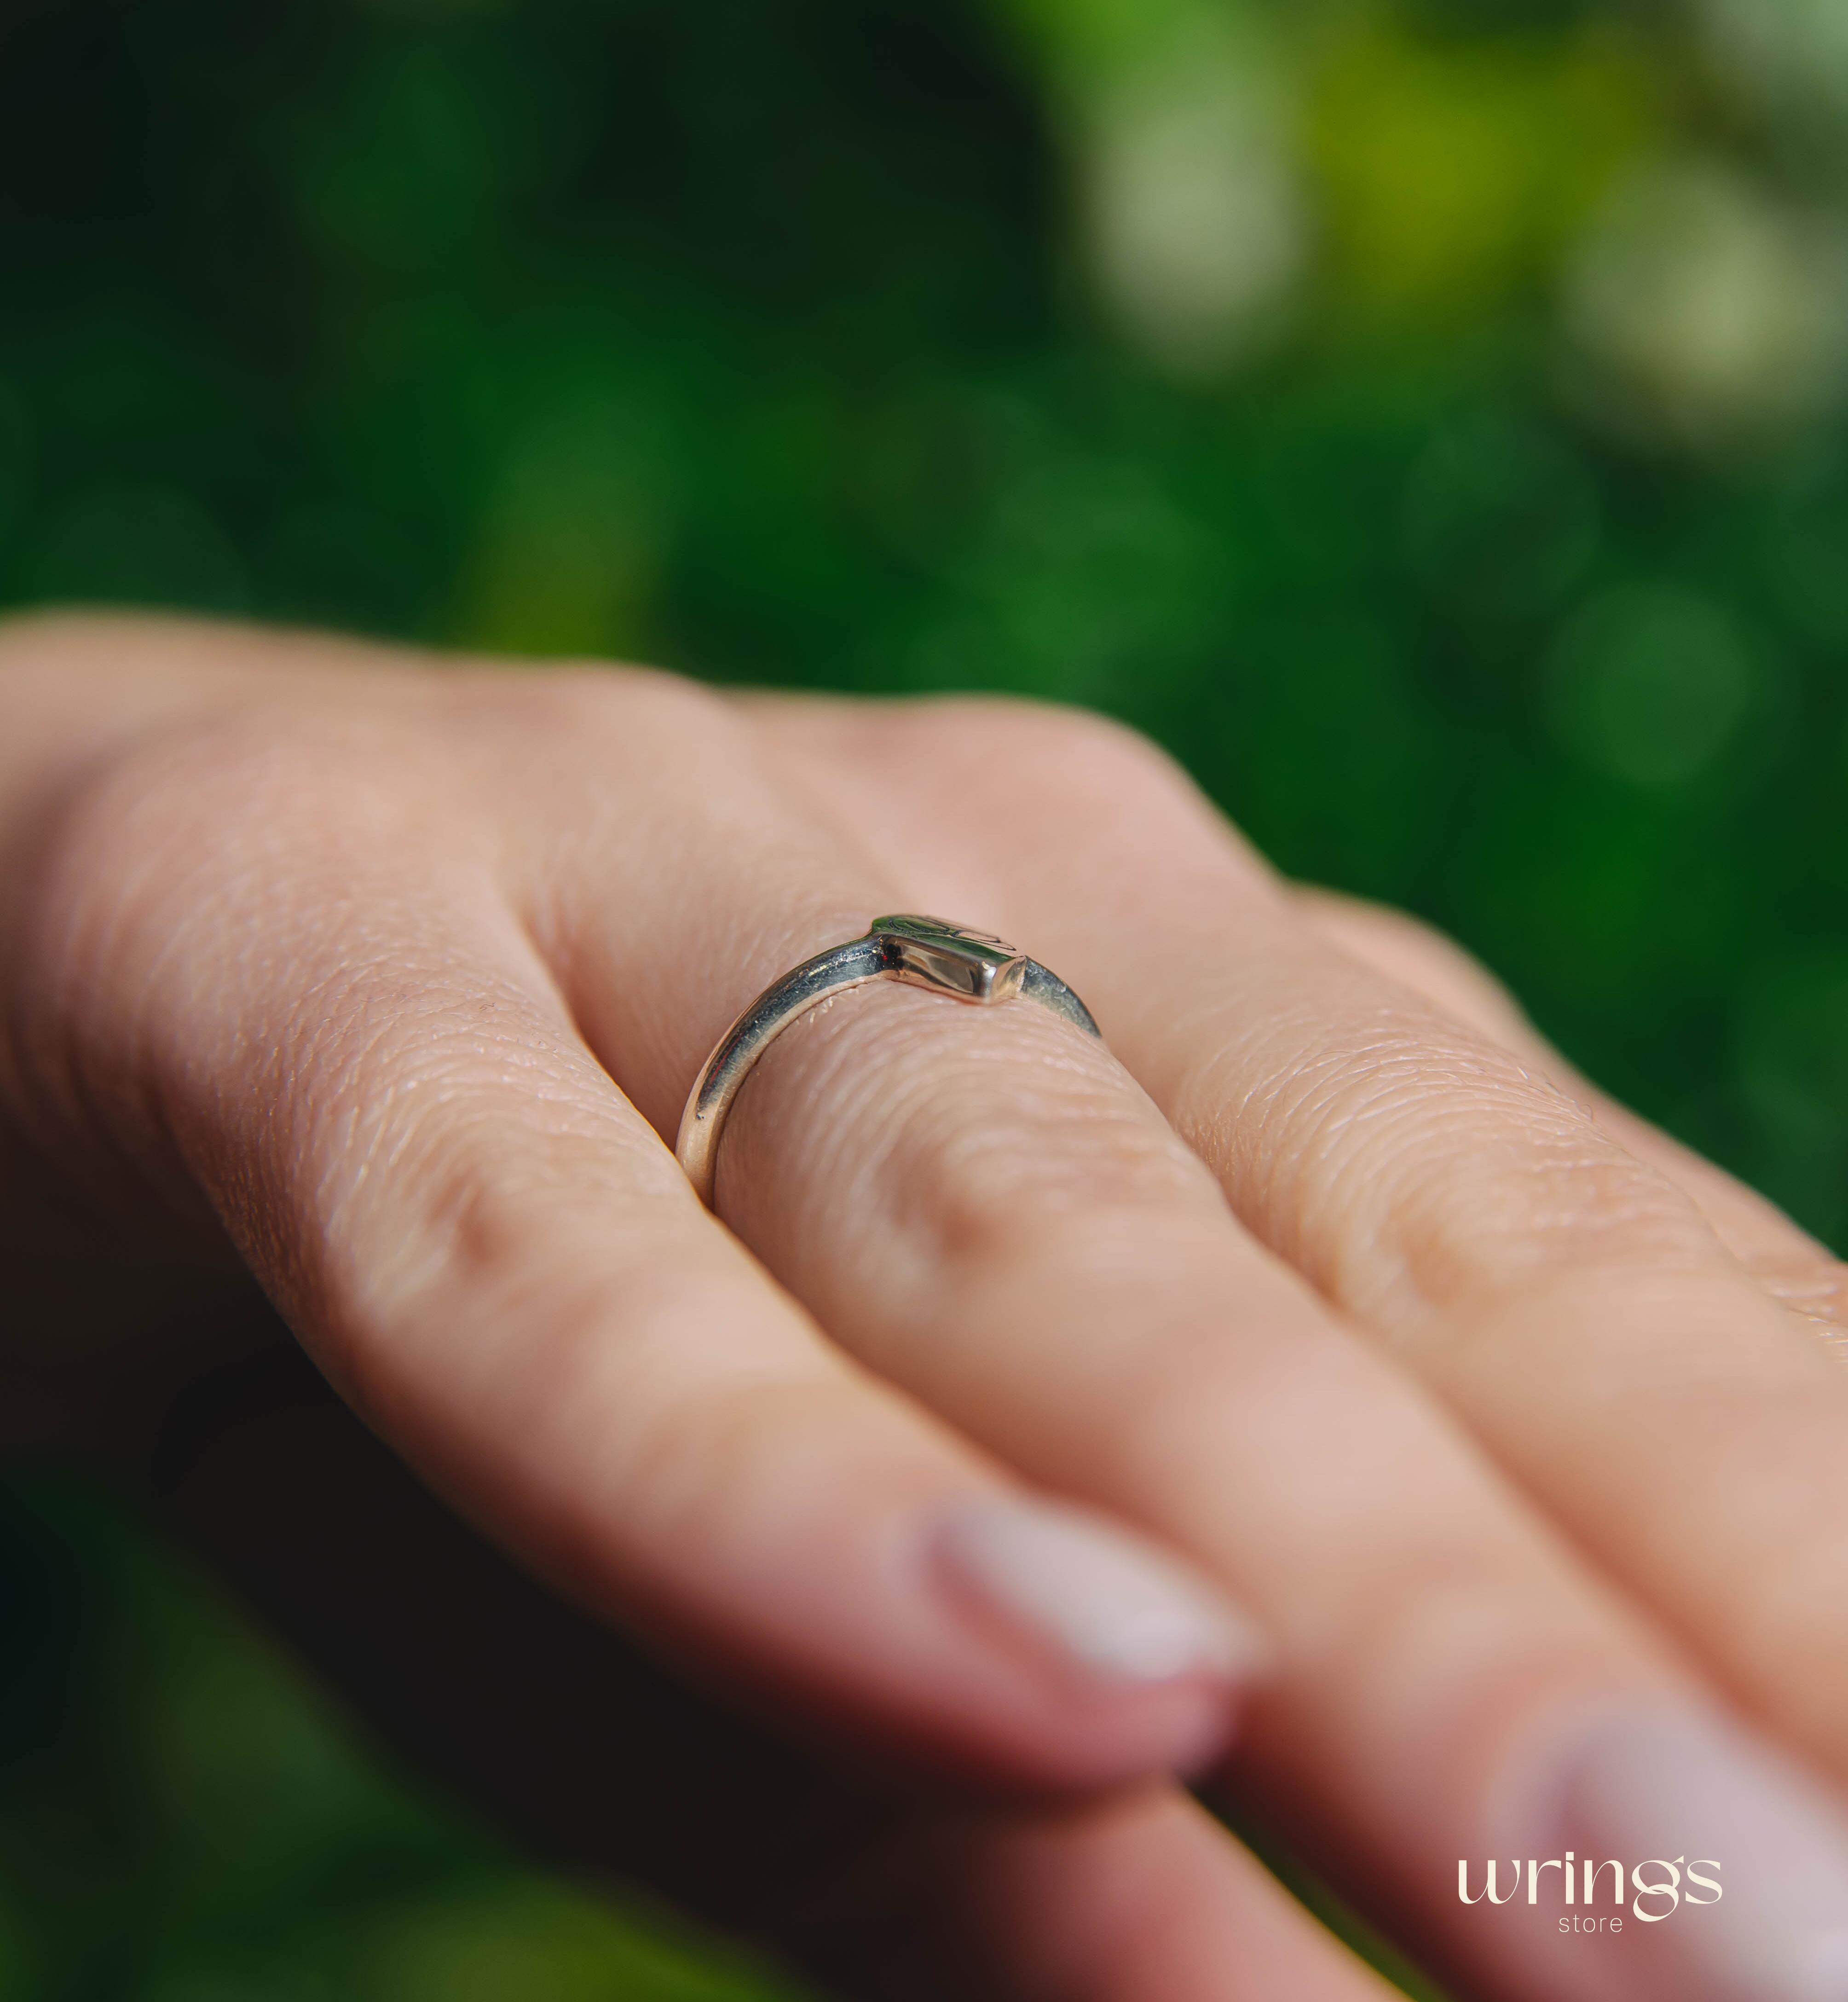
[
  {"x": 975, "y": 1640},
  {"x": 1143, "y": 1659}
]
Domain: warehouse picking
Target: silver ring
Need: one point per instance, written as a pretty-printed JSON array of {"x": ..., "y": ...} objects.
[{"x": 926, "y": 952}]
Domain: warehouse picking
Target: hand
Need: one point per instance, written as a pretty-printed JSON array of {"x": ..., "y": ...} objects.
[{"x": 1486, "y": 1411}]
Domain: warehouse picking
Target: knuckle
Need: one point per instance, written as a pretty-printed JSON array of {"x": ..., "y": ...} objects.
[
  {"x": 1417, "y": 955},
  {"x": 950, "y": 1146},
  {"x": 118, "y": 857},
  {"x": 1071, "y": 750},
  {"x": 1814, "y": 1288},
  {"x": 1072, "y": 782},
  {"x": 611, "y": 742},
  {"x": 636, "y": 708},
  {"x": 464, "y": 1169},
  {"x": 1416, "y": 937},
  {"x": 1049, "y": 750},
  {"x": 1558, "y": 1208},
  {"x": 1472, "y": 1174},
  {"x": 985, "y": 1166},
  {"x": 223, "y": 815},
  {"x": 222, "y": 923},
  {"x": 984, "y": 1196}
]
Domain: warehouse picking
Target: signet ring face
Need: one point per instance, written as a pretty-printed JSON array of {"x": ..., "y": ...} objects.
[
  {"x": 972, "y": 965},
  {"x": 957, "y": 960}
]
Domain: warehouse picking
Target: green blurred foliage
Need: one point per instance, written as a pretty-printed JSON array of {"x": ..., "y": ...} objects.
[
  {"x": 1286, "y": 381},
  {"x": 181, "y": 1822}
]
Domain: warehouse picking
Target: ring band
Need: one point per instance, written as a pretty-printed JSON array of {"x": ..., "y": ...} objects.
[{"x": 950, "y": 959}]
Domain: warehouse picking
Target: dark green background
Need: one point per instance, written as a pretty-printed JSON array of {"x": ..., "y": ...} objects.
[{"x": 756, "y": 339}]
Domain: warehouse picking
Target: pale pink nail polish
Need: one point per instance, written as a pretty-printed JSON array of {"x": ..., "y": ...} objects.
[
  {"x": 1734, "y": 1868},
  {"x": 1114, "y": 1607}
]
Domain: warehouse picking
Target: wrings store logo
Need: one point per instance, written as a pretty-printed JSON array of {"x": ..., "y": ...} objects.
[{"x": 1658, "y": 1894}]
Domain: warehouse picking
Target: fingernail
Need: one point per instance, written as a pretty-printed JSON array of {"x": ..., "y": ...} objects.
[
  {"x": 1100, "y": 1595},
  {"x": 1752, "y": 1854}
]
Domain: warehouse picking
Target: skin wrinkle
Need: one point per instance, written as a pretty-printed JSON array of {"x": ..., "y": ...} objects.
[
  {"x": 685, "y": 1455},
  {"x": 319, "y": 1037},
  {"x": 672, "y": 1453},
  {"x": 72, "y": 1109},
  {"x": 827, "y": 1161},
  {"x": 326, "y": 1037},
  {"x": 1273, "y": 1197},
  {"x": 1796, "y": 1270},
  {"x": 879, "y": 1102},
  {"x": 834, "y": 1213},
  {"x": 504, "y": 1268},
  {"x": 463, "y": 1216},
  {"x": 339, "y": 1023},
  {"x": 1443, "y": 1563},
  {"x": 654, "y": 1049},
  {"x": 1163, "y": 1382},
  {"x": 1253, "y": 983},
  {"x": 1034, "y": 1151},
  {"x": 103, "y": 937},
  {"x": 1356, "y": 1135},
  {"x": 455, "y": 1060},
  {"x": 581, "y": 1407}
]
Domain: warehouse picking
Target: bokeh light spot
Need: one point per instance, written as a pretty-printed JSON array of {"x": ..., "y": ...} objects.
[
  {"x": 1650, "y": 683},
  {"x": 1705, "y": 305},
  {"x": 1199, "y": 229},
  {"x": 1451, "y": 170}
]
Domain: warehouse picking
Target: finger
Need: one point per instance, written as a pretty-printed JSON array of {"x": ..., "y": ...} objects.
[
  {"x": 1567, "y": 1299},
  {"x": 560, "y": 1738},
  {"x": 1788, "y": 1262},
  {"x": 273, "y": 971},
  {"x": 981, "y": 1206},
  {"x": 1559, "y": 1294},
  {"x": 1446, "y": 1672}
]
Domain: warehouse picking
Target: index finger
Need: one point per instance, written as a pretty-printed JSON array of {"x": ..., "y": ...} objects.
[
  {"x": 267, "y": 971},
  {"x": 592, "y": 1759}
]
